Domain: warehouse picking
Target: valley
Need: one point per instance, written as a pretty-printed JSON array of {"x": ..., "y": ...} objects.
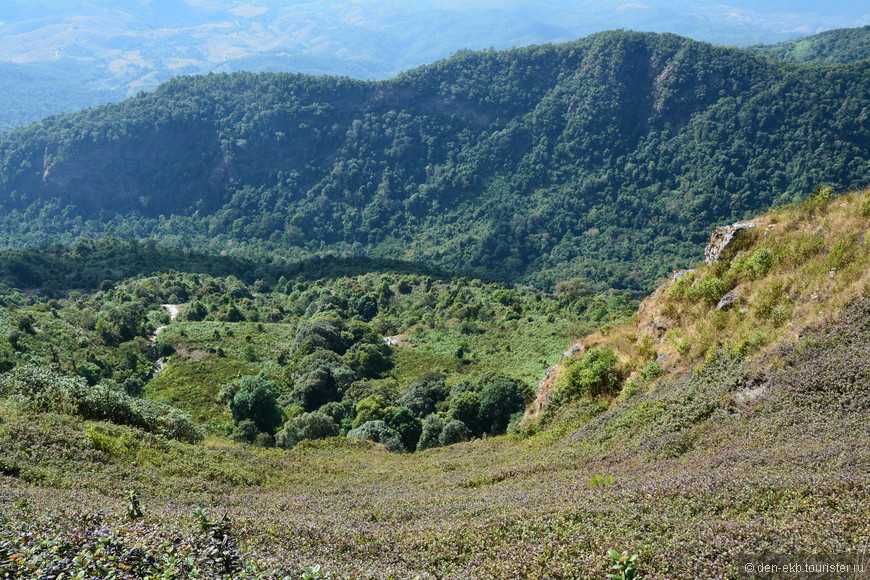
[{"x": 456, "y": 324}]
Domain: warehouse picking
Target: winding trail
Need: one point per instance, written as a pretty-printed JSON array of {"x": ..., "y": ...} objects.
[{"x": 173, "y": 310}]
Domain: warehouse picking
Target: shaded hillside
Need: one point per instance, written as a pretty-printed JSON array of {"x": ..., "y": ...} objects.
[
  {"x": 608, "y": 159},
  {"x": 832, "y": 47}
]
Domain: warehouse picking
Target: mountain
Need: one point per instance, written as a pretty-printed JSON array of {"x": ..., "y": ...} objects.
[
  {"x": 832, "y": 47},
  {"x": 702, "y": 436},
  {"x": 608, "y": 158},
  {"x": 70, "y": 55}
]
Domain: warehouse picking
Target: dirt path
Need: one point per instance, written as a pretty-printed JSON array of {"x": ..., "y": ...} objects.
[{"x": 173, "y": 310}]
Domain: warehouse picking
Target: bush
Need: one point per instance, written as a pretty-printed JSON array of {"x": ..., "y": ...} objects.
[
  {"x": 422, "y": 396},
  {"x": 465, "y": 407},
  {"x": 819, "y": 198},
  {"x": 454, "y": 432},
  {"x": 367, "y": 360},
  {"x": 372, "y": 408},
  {"x": 406, "y": 425},
  {"x": 314, "y": 425},
  {"x": 314, "y": 389},
  {"x": 379, "y": 432},
  {"x": 49, "y": 391},
  {"x": 709, "y": 289},
  {"x": 430, "y": 435},
  {"x": 593, "y": 375},
  {"x": 245, "y": 431},
  {"x": 651, "y": 371}
]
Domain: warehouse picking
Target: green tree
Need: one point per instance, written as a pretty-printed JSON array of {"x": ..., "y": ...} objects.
[
  {"x": 430, "y": 435},
  {"x": 403, "y": 421},
  {"x": 500, "y": 398},
  {"x": 255, "y": 400}
]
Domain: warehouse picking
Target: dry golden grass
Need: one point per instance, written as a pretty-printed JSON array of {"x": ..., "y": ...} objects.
[{"x": 800, "y": 266}]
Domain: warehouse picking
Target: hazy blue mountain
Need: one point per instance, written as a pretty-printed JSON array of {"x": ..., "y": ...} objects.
[{"x": 88, "y": 53}]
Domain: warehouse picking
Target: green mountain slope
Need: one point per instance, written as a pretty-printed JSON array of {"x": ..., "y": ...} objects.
[
  {"x": 832, "y": 47},
  {"x": 748, "y": 445},
  {"x": 608, "y": 158}
]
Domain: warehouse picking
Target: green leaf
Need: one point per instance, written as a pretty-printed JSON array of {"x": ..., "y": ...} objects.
[{"x": 613, "y": 554}]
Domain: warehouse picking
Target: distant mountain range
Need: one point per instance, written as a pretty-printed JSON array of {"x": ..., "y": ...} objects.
[
  {"x": 63, "y": 55},
  {"x": 608, "y": 158}
]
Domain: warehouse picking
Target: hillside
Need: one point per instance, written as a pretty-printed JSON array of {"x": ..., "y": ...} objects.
[
  {"x": 693, "y": 436},
  {"x": 832, "y": 47},
  {"x": 606, "y": 159}
]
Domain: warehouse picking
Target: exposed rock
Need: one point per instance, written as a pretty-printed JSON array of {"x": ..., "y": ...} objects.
[
  {"x": 659, "y": 325},
  {"x": 721, "y": 238},
  {"x": 728, "y": 300},
  {"x": 400, "y": 340},
  {"x": 661, "y": 358},
  {"x": 543, "y": 383},
  {"x": 680, "y": 272},
  {"x": 576, "y": 348}
]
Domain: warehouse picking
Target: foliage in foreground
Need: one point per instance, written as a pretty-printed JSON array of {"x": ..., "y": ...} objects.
[{"x": 734, "y": 459}]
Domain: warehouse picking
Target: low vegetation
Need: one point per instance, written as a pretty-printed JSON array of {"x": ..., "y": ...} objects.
[{"x": 688, "y": 430}]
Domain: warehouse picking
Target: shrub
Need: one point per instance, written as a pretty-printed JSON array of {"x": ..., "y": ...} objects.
[
  {"x": 314, "y": 389},
  {"x": 760, "y": 262},
  {"x": 819, "y": 198},
  {"x": 422, "y": 396},
  {"x": 593, "y": 375},
  {"x": 246, "y": 431},
  {"x": 651, "y": 371},
  {"x": 454, "y": 432},
  {"x": 314, "y": 425},
  {"x": 709, "y": 289},
  {"x": 49, "y": 391},
  {"x": 372, "y": 408},
  {"x": 465, "y": 407},
  {"x": 367, "y": 360},
  {"x": 379, "y": 432},
  {"x": 431, "y": 432}
]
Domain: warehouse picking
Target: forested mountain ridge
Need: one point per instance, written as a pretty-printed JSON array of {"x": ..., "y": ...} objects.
[
  {"x": 840, "y": 46},
  {"x": 608, "y": 158}
]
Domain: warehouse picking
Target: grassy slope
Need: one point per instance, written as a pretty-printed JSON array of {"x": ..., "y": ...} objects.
[{"x": 743, "y": 455}]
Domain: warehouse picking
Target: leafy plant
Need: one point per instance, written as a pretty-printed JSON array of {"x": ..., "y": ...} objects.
[
  {"x": 625, "y": 566},
  {"x": 134, "y": 509},
  {"x": 312, "y": 573}
]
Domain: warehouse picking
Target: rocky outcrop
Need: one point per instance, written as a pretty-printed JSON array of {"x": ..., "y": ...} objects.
[
  {"x": 722, "y": 237},
  {"x": 576, "y": 348},
  {"x": 728, "y": 300}
]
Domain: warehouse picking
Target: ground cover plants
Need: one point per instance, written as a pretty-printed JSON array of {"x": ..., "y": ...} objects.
[{"x": 748, "y": 436}]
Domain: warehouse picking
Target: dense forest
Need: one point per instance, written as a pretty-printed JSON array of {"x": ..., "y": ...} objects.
[{"x": 606, "y": 159}]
